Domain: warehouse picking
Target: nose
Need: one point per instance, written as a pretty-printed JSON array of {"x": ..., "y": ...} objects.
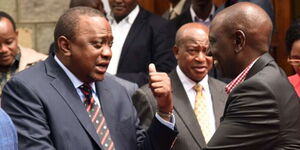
[
  {"x": 106, "y": 52},
  {"x": 201, "y": 57},
  {"x": 3, "y": 48}
]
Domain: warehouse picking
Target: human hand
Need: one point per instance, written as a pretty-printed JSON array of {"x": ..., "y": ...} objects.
[{"x": 160, "y": 85}]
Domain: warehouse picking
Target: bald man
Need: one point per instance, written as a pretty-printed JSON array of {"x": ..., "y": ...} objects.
[
  {"x": 193, "y": 66},
  {"x": 262, "y": 110}
]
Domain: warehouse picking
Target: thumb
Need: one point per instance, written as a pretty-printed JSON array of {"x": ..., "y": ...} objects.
[{"x": 152, "y": 68}]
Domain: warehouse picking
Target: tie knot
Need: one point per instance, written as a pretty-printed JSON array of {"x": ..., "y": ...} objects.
[
  {"x": 198, "y": 88},
  {"x": 86, "y": 89}
]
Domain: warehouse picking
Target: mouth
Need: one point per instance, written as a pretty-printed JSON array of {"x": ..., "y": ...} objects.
[
  {"x": 118, "y": 7},
  {"x": 102, "y": 67},
  {"x": 200, "y": 69},
  {"x": 4, "y": 57}
]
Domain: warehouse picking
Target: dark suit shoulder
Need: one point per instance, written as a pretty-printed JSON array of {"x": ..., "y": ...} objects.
[{"x": 153, "y": 20}]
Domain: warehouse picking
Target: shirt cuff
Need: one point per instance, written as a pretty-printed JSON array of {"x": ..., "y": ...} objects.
[{"x": 170, "y": 124}]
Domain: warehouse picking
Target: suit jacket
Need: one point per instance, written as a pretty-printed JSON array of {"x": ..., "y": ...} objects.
[
  {"x": 49, "y": 114},
  {"x": 261, "y": 113},
  {"x": 148, "y": 41},
  {"x": 190, "y": 136},
  {"x": 8, "y": 133},
  {"x": 129, "y": 86}
]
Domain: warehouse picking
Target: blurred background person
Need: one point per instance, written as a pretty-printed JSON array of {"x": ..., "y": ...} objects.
[
  {"x": 13, "y": 57},
  {"x": 140, "y": 38},
  {"x": 292, "y": 41}
]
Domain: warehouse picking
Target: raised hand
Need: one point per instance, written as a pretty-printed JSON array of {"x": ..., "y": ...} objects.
[{"x": 160, "y": 85}]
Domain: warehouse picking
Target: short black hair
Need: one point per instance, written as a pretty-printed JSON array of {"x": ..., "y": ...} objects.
[
  {"x": 292, "y": 35},
  {"x": 68, "y": 22},
  {"x": 7, "y": 16}
]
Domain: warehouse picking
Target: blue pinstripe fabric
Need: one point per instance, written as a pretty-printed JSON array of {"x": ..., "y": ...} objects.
[{"x": 8, "y": 134}]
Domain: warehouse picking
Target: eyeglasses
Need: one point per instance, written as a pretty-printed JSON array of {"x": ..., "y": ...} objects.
[{"x": 293, "y": 62}]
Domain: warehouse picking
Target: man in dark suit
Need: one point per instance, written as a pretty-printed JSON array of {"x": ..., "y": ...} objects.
[
  {"x": 97, "y": 4},
  {"x": 193, "y": 66},
  {"x": 140, "y": 38},
  {"x": 66, "y": 102},
  {"x": 262, "y": 111}
]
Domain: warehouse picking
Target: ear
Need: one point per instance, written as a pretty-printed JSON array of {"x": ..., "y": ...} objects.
[
  {"x": 240, "y": 41},
  {"x": 64, "y": 46},
  {"x": 175, "y": 51}
]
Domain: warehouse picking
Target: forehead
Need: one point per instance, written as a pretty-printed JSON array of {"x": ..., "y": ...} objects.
[
  {"x": 195, "y": 36},
  {"x": 93, "y": 25},
  {"x": 6, "y": 26}
]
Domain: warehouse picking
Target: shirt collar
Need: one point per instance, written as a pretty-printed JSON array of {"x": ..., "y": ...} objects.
[
  {"x": 208, "y": 19},
  {"x": 188, "y": 83},
  {"x": 240, "y": 78},
  {"x": 129, "y": 18},
  {"x": 75, "y": 81}
]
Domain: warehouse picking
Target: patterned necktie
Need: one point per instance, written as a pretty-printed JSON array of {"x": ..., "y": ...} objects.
[
  {"x": 202, "y": 114},
  {"x": 96, "y": 117}
]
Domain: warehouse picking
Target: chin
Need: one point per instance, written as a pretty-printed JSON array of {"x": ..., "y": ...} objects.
[{"x": 98, "y": 77}]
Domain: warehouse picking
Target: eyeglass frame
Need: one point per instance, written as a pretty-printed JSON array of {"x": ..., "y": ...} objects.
[{"x": 293, "y": 61}]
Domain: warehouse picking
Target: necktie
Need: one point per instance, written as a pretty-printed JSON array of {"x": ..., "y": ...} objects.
[
  {"x": 202, "y": 114},
  {"x": 96, "y": 117}
]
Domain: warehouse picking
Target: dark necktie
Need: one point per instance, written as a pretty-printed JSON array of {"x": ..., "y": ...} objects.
[{"x": 97, "y": 117}]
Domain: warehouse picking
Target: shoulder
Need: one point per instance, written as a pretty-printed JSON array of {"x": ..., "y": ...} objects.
[{"x": 27, "y": 52}]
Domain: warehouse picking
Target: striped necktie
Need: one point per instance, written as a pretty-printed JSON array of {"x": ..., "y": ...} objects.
[{"x": 96, "y": 117}]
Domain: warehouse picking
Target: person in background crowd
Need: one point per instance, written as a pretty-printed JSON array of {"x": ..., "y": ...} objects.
[
  {"x": 13, "y": 57},
  {"x": 140, "y": 38},
  {"x": 292, "y": 41},
  {"x": 200, "y": 11}
]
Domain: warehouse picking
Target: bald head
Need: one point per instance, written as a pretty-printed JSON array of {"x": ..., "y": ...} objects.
[
  {"x": 190, "y": 29},
  {"x": 190, "y": 51},
  {"x": 238, "y": 35},
  {"x": 249, "y": 18}
]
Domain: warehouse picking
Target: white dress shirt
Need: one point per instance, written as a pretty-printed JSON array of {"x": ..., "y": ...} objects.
[
  {"x": 77, "y": 83},
  {"x": 188, "y": 85},
  {"x": 120, "y": 31}
]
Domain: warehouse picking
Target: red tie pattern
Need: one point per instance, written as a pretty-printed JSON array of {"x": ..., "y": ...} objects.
[{"x": 97, "y": 117}]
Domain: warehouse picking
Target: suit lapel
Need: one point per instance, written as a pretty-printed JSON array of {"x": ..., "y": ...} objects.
[
  {"x": 217, "y": 98},
  {"x": 184, "y": 109},
  {"x": 134, "y": 30},
  {"x": 65, "y": 88}
]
